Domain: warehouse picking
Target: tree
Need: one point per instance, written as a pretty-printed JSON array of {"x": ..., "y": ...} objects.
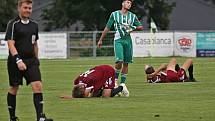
[
  {"x": 160, "y": 11},
  {"x": 7, "y": 12},
  {"x": 93, "y": 14}
]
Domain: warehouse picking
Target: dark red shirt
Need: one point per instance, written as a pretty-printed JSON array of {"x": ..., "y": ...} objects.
[{"x": 102, "y": 76}]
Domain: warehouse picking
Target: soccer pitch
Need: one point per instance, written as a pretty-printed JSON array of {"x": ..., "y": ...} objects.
[{"x": 147, "y": 102}]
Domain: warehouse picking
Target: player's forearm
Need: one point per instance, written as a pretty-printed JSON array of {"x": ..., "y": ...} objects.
[
  {"x": 134, "y": 28},
  {"x": 162, "y": 67},
  {"x": 104, "y": 33},
  {"x": 139, "y": 28},
  {"x": 11, "y": 47},
  {"x": 156, "y": 72}
]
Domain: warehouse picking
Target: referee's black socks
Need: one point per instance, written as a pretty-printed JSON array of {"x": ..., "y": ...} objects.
[
  {"x": 11, "y": 102},
  {"x": 38, "y": 103}
]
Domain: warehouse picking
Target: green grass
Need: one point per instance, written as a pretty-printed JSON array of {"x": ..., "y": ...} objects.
[{"x": 170, "y": 102}]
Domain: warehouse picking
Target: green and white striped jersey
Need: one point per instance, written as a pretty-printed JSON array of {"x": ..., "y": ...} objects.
[{"x": 123, "y": 23}]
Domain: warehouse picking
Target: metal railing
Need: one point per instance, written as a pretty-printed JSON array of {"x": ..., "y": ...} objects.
[{"x": 84, "y": 44}]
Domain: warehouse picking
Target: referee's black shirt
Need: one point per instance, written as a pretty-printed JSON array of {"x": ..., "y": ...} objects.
[{"x": 24, "y": 35}]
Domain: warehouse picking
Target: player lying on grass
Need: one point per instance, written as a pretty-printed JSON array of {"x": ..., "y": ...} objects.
[
  {"x": 170, "y": 73},
  {"x": 96, "y": 82}
]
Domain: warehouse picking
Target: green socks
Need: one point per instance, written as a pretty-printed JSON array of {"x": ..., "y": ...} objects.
[
  {"x": 123, "y": 78},
  {"x": 117, "y": 74}
]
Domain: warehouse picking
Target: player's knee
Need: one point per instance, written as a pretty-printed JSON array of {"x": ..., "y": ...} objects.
[
  {"x": 118, "y": 65},
  {"x": 119, "y": 62},
  {"x": 13, "y": 90},
  {"x": 164, "y": 64},
  {"x": 173, "y": 60},
  {"x": 37, "y": 87},
  {"x": 190, "y": 60}
]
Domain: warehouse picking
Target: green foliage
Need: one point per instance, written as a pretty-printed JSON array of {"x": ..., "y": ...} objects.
[
  {"x": 159, "y": 10},
  {"x": 105, "y": 51},
  {"x": 93, "y": 14},
  {"x": 7, "y": 12}
]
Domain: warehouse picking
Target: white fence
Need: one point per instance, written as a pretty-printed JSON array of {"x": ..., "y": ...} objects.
[{"x": 84, "y": 44}]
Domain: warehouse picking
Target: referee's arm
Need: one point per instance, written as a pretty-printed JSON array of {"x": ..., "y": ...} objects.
[{"x": 11, "y": 47}]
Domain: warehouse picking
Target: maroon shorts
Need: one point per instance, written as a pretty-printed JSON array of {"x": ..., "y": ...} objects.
[{"x": 179, "y": 76}]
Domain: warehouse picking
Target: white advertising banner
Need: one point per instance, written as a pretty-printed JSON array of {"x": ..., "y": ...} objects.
[
  {"x": 185, "y": 44},
  {"x": 3, "y": 47},
  {"x": 52, "y": 45},
  {"x": 156, "y": 45}
]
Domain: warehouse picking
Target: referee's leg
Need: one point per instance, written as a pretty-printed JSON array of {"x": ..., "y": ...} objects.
[
  {"x": 33, "y": 76},
  {"x": 11, "y": 101},
  {"x": 15, "y": 79},
  {"x": 37, "y": 97}
]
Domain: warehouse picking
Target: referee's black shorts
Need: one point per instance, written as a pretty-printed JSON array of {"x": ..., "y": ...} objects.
[{"x": 31, "y": 74}]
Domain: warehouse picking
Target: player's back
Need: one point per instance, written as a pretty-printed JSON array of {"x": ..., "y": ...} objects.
[{"x": 96, "y": 76}]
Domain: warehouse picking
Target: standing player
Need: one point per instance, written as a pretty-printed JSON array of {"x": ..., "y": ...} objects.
[
  {"x": 124, "y": 23},
  {"x": 96, "y": 82},
  {"x": 171, "y": 72},
  {"x": 22, "y": 36}
]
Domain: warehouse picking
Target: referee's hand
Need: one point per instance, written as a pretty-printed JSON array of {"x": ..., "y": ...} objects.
[{"x": 21, "y": 65}]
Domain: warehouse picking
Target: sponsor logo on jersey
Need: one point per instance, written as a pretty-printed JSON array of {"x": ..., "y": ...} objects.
[{"x": 129, "y": 21}]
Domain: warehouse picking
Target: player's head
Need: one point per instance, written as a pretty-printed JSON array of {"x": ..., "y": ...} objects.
[
  {"x": 25, "y": 8},
  {"x": 78, "y": 91},
  {"x": 149, "y": 69},
  {"x": 126, "y": 4}
]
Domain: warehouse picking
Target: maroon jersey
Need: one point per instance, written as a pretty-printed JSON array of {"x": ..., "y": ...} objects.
[
  {"x": 102, "y": 76},
  {"x": 179, "y": 76},
  {"x": 160, "y": 78},
  {"x": 169, "y": 76}
]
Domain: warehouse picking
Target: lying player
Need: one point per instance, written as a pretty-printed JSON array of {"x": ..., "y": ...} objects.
[
  {"x": 96, "y": 82},
  {"x": 171, "y": 72}
]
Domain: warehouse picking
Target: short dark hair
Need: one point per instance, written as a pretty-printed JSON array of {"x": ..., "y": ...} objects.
[
  {"x": 78, "y": 91},
  {"x": 150, "y": 70},
  {"x": 24, "y": 1},
  {"x": 128, "y": 0}
]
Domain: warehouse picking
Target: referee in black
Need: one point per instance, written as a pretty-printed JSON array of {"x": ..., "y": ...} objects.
[{"x": 22, "y": 36}]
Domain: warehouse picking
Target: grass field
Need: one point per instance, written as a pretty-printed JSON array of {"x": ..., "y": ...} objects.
[{"x": 147, "y": 102}]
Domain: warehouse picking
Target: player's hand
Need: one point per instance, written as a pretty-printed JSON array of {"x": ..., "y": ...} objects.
[
  {"x": 139, "y": 28},
  {"x": 21, "y": 65},
  {"x": 151, "y": 75},
  {"x": 99, "y": 43}
]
